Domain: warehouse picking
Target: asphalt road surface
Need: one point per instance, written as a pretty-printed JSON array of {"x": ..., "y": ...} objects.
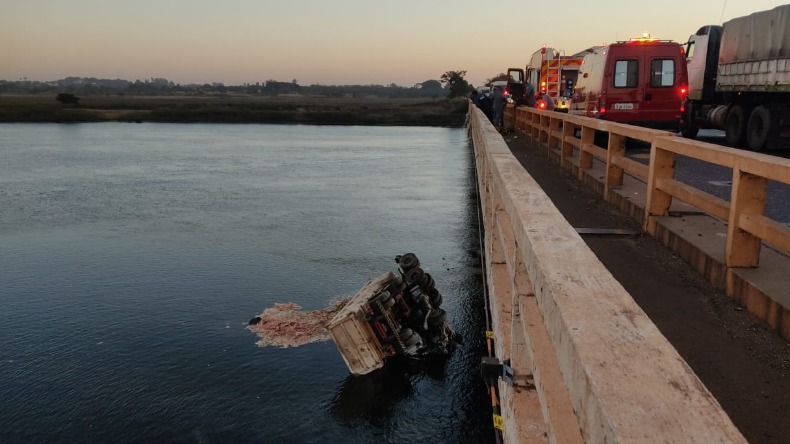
[{"x": 717, "y": 180}]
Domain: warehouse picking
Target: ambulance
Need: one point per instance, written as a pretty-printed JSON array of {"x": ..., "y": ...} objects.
[{"x": 642, "y": 81}]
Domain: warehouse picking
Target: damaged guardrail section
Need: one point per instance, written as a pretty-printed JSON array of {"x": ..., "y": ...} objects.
[{"x": 588, "y": 365}]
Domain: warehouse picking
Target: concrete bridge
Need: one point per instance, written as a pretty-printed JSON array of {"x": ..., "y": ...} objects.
[{"x": 575, "y": 358}]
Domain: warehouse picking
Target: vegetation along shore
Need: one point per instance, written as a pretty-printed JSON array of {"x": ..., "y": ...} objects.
[
  {"x": 75, "y": 99},
  {"x": 236, "y": 109}
]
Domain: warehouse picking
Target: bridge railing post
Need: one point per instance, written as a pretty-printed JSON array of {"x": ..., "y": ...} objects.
[
  {"x": 585, "y": 156},
  {"x": 748, "y": 199},
  {"x": 662, "y": 166},
  {"x": 614, "y": 173}
]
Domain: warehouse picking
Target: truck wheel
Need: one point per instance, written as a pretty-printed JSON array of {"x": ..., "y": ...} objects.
[
  {"x": 735, "y": 126},
  {"x": 687, "y": 127},
  {"x": 689, "y": 131},
  {"x": 415, "y": 275},
  {"x": 409, "y": 261},
  {"x": 436, "y": 299},
  {"x": 758, "y": 128}
]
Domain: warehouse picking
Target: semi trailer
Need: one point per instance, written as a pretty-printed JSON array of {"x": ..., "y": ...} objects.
[{"x": 739, "y": 79}]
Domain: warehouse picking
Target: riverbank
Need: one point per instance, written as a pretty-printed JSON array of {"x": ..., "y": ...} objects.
[{"x": 237, "y": 109}]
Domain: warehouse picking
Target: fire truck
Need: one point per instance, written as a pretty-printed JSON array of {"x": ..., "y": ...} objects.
[{"x": 555, "y": 74}]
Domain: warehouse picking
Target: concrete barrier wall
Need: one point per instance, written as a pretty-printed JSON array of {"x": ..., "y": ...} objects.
[{"x": 589, "y": 365}]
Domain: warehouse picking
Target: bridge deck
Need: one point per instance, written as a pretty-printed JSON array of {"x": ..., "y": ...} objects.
[{"x": 744, "y": 364}]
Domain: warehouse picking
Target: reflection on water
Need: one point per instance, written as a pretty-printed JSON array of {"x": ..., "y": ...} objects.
[{"x": 371, "y": 398}]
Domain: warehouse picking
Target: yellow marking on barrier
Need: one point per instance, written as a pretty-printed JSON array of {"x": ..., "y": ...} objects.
[{"x": 499, "y": 423}]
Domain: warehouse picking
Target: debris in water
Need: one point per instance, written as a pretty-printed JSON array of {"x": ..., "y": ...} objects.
[{"x": 286, "y": 325}]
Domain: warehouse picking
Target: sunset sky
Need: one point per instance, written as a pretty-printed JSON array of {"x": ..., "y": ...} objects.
[{"x": 330, "y": 42}]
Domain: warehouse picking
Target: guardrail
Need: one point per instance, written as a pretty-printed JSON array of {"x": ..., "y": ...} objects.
[
  {"x": 748, "y": 227},
  {"x": 588, "y": 365}
]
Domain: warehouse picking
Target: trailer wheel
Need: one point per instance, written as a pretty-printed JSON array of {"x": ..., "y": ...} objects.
[
  {"x": 758, "y": 128},
  {"x": 409, "y": 261},
  {"x": 415, "y": 275},
  {"x": 735, "y": 126},
  {"x": 436, "y": 299},
  {"x": 428, "y": 282}
]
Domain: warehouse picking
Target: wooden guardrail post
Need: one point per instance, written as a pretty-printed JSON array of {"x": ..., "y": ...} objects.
[
  {"x": 662, "y": 166},
  {"x": 554, "y": 127},
  {"x": 568, "y": 130},
  {"x": 535, "y": 119},
  {"x": 748, "y": 198},
  {"x": 586, "y": 157},
  {"x": 614, "y": 173}
]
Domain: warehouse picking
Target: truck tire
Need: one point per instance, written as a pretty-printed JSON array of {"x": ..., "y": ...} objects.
[
  {"x": 735, "y": 126},
  {"x": 687, "y": 128},
  {"x": 415, "y": 276},
  {"x": 758, "y": 128},
  {"x": 689, "y": 131},
  {"x": 436, "y": 299},
  {"x": 409, "y": 261}
]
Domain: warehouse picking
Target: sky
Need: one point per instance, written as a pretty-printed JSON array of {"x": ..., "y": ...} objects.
[{"x": 329, "y": 42}]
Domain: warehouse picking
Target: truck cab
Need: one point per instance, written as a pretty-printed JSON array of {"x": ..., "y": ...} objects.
[
  {"x": 640, "y": 82},
  {"x": 515, "y": 85}
]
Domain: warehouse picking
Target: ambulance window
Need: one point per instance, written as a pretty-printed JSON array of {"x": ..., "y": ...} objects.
[
  {"x": 662, "y": 73},
  {"x": 626, "y": 73}
]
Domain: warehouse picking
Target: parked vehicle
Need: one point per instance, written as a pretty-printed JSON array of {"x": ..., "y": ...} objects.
[
  {"x": 555, "y": 74},
  {"x": 640, "y": 82},
  {"x": 549, "y": 72},
  {"x": 515, "y": 86},
  {"x": 739, "y": 79}
]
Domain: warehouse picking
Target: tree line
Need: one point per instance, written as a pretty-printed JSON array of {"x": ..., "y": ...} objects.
[{"x": 451, "y": 84}]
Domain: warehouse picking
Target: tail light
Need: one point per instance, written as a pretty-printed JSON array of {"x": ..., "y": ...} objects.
[
  {"x": 602, "y": 104},
  {"x": 542, "y": 105}
]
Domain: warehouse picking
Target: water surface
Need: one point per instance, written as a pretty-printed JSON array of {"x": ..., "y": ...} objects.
[{"x": 133, "y": 255}]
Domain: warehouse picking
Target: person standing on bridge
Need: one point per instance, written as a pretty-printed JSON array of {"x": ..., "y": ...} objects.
[
  {"x": 529, "y": 94},
  {"x": 548, "y": 103},
  {"x": 499, "y": 107}
]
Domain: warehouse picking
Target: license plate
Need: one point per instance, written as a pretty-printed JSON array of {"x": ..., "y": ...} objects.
[{"x": 623, "y": 106}]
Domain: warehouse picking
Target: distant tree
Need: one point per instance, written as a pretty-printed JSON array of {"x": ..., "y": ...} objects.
[
  {"x": 500, "y": 76},
  {"x": 430, "y": 86},
  {"x": 457, "y": 85},
  {"x": 68, "y": 99}
]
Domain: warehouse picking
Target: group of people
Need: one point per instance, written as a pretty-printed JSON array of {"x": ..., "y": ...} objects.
[{"x": 493, "y": 104}]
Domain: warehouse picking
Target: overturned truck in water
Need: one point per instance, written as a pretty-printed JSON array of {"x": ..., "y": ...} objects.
[{"x": 393, "y": 314}]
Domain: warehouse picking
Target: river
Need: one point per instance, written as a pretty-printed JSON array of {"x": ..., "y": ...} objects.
[{"x": 133, "y": 255}]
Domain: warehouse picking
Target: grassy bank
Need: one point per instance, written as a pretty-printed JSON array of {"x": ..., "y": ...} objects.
[{"x": 237, "y": 109}]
